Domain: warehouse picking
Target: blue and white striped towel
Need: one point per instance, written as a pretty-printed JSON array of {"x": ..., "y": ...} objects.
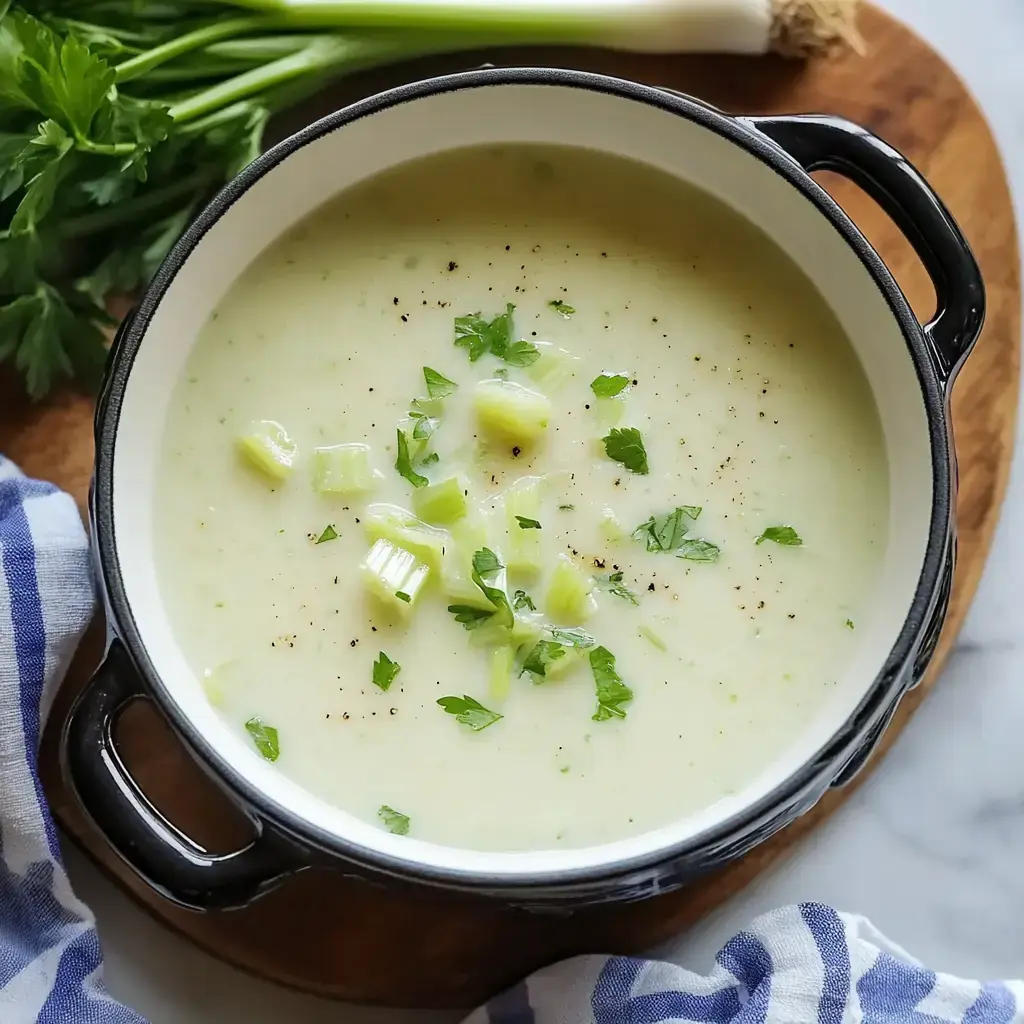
[{"x": 807, "y": 964}]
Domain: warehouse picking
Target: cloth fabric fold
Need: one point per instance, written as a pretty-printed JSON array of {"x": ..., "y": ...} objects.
[{"x": 806, "y": 964}]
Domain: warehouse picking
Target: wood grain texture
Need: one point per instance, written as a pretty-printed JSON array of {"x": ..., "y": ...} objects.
[{"x": 337, "y": 936}]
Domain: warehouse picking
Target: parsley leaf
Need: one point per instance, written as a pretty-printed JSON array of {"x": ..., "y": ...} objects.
[
  {"x": 394, "y": 821},
  {"x": 781, "y": 535},
  {"x": 486, "y": 563},
  {"x": 614, "y": 585},
  {"x": 384, "y": 671},
  {"x": 522, "y": 353},
  {"x": 573, "y": 637},
  {"x": 527, "y": 524},
  {"x": 521, "y": 599},
  {"x": 544, "y": 653},
  {"x": 481, "y": 336},
  {"x": 404, "y": 464},
  {"x": 698, "y": 551},
  {"x": 627, "y": 446},
  {"x": 425, "y": 427},
  {"x": 330, "y": 533},
  {"x": 666, "y": 533},
  {"x": 566, "y": 508},
  {"x": 403, "y": 596},
  {"x": 469, "y": 712},
  {"x": 608, "y": 385},
  {"x": 469, "y": 615},
  {"x": 562, "y": 308},
  {"x": 265, "y": 738},
  {"x": 612, "y": 692},
  {"x": 438, "y": 386},
  {"x": 849, "y": 624}
]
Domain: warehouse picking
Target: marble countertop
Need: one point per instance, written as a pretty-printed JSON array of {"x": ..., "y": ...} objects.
[{"x": 929, "y": 847}]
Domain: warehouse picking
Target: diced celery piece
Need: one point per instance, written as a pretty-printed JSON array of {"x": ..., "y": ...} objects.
[
  {"x": 417, "y": 445},
  {"x": 502, "y": 659},
  {"x": 568, "y": 599},
  {"x": 510, "y": 413},
  {"x": 344, "y": 469},
  {"x": 573, "y": 658},
  {"x": 610, "y": 527},
  {"x": 526, "y": 631},
  {"x": 523, "y": 499},
  {"x": 269, "y": 449},
  {"x": 402, "y": 528},
  {"x": 609, "y": 411},
  {"x": 213, "y": 687},
  {"x": 394, "y": 575},
  {"x": 468, "y": 536},
  {"x": 441, "y": 503},
  {"x": 554, "y": 368}
]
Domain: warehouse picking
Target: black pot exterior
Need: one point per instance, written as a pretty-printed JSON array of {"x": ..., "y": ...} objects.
[{"x": 285, "y": 843}]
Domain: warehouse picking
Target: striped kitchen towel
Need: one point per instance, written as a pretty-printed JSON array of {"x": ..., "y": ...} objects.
[{"x": 801, "y": 965}]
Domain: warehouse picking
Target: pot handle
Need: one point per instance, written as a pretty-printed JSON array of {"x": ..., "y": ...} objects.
[
  {"x": 820, "y": 142},
  {"x": 168, "y": 860}
]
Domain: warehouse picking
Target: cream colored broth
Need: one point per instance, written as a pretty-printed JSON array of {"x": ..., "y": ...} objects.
[{"x": 751, "y": 404}]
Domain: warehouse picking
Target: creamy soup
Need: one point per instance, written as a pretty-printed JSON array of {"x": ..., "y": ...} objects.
[{"x": 639, "y": 420}]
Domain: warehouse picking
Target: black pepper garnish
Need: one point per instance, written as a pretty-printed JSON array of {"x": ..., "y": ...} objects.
[
  {"x": 650, "y": 587},
  {"x": 452, "y": 265},
  {"x": 395, "y": 300},
  {"x": 405, "y": 319},
  {"x": 516, "y": 452}
]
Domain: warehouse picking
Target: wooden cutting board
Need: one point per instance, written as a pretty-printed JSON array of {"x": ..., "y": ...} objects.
[{"x": 335, "y": 936}]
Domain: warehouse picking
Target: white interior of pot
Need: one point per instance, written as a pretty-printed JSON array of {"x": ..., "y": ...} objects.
[{"x": 529, "y": 114}]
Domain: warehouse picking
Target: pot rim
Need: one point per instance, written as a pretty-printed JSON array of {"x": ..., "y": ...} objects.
[{"x": 818, "y": 771}]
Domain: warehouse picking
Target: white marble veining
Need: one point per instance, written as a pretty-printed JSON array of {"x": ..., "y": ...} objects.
[{"x": 929, "y": 847}]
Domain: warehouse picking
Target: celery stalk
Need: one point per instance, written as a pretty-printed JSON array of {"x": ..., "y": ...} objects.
[
  {"x": 523, "y": 499},
  {"x": 609, "y": 411},
  {"x": 344, "y": 469},
  {"x": 269, "y": 449},
  {"x": 509, "y": 413},
  {"x": 441, "y": 503},
  {"x": 610, "y": 527},
  {"x": 555, "y": 367},
  {"x": 568, "y": 599},
  {"x": 394, "y": 575},
  {"x": 468, "y": 535},
  {"x": 502, "y": 659},
  {"x": 399, "y": 526}
]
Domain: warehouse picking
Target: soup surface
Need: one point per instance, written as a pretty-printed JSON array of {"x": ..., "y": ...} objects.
[{"x": 700, "y": 504}]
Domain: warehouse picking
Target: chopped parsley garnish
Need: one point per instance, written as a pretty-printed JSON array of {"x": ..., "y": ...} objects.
[
  {"x": 265, "y": 738},
  {"x": 562, "y": 308},
  {"x": 785, "y": 535},
  {"x": 544, "y": 653},
  {"x": 612, "y": 692},
  {"x": 425, "y": 427},
  {"x": 698, "y": 551},
  {"x": 469, "y": 615},
  {"x": 486, "y": 563},
  {"x": 572, "y": 637},
  {"x": 384, "y": 671},
  {"x": 394, "y": 821},
  {"x": 438, "y": 386},
  {"x": 625, "y": 445},
  {"x": 521, "y": 599},
  {"x": 403, "y": 596},
  {"x": 330, "y": 533},
  {"x": 429, "y": 459},
  {"x": 608, "y": 385},
  {"x": 480, "y": 336},
  {"x": 566, "y": 508},
  {"x": 468, "y": 711},
  {"x": 527, "y": 524},
  {"x": 614, "y": 585},
  {"x": 404, "y": 464},
  {"x": 849, "y": 623},
  {"x": 666, "y": 533}
]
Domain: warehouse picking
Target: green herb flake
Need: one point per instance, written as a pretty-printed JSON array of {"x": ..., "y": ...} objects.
[
  {"x": 438, "y": 386},
  {"x": 566, "y": 508},
  {"x": 522, "y": 353},
  {"x": 666, "y": 533},
  {"x": 562, "y": 308},
  {"x": 527, "y": 524},
  {"x": 625, "y": 445},
  {"x": 486, "y": 563},
  {"x": 614, "y": 585},
  {"x": 404, "y": 464},
  {"x": 394, "y": 821},
  {"x": 573, "y": 637},
  {"x": 544, "y": 653},
  {"x": 468, "y": 711},
  {"x": 480, "y": 336},
  {"x": 403, "y": 596},
  {"x": 384, "y": 672},
  {"x": 849, "y": 624},
  {"x": 608, "y": 385},
  {"x": 470, "y": 616},
  {"x": 265, "y": 738},
  {"x": 521, "y": 599},
  {"x": 699, "y": 551},
  {"x": 784, "y": 535},
  {"x": 612, "y": 692},
  {"x": 425, "y": 427},
  {"x": 330, "y": 533},
  {"x": 429, "y": 460}
]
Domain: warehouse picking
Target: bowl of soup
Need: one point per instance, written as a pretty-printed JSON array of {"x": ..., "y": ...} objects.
[{"x": 524, "y": 482}]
